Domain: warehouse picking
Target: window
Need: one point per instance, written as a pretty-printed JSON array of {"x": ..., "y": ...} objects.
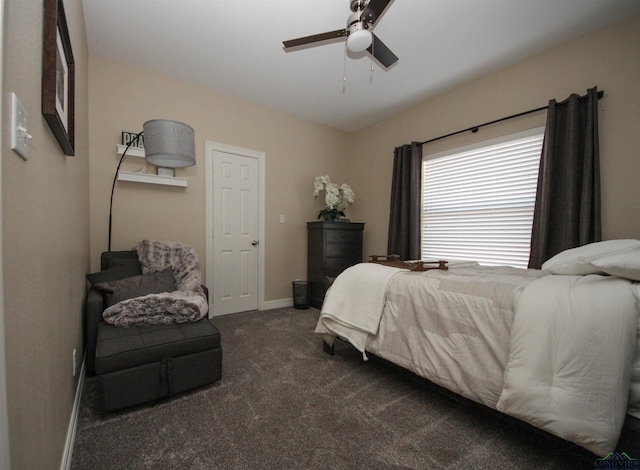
[{"x": 478, "y": 201}]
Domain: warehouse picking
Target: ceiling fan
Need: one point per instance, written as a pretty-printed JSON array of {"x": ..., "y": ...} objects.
[{"x": 358, "y": 34}]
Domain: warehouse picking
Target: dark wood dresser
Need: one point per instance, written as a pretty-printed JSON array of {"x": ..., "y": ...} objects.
[{"x": 332, "y": 247}]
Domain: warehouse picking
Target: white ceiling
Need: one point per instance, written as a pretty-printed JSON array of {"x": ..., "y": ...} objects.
[{"x": 235, "y": 47}]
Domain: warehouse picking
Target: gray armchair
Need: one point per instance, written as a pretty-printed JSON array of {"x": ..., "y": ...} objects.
[{"x": 141, "y": 364}]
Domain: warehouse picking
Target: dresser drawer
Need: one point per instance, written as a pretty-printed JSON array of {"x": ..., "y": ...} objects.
[
  {"x": 343, "y": 250},
  {"x": 334, "y": 266},
  {"x": 343, "y": 236}
]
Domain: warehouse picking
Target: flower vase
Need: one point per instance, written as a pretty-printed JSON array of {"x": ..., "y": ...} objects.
[{"x": 330, "y": 215}]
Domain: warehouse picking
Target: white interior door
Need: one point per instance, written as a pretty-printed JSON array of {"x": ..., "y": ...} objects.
[{"x": 236, "y": 240}]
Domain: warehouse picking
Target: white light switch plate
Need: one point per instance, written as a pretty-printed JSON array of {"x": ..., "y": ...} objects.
[{"x": 19, "y": 128}]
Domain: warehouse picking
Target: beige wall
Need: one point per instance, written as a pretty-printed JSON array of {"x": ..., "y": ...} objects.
[
  {"x": 46, "y": 245},
  {"x": 123, "y": 97},
  {"x": 609, "y": 59}
]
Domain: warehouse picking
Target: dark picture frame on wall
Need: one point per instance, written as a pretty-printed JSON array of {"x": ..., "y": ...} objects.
[{"x": 58, "y": 76}]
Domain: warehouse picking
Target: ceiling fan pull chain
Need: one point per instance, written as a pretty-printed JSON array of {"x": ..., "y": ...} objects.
[
  {"x": 344, "y": 72},
  {"x": 373, "y": 52}
]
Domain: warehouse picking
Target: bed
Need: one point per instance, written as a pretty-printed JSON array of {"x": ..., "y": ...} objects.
[{"x": 557, "y": 348}]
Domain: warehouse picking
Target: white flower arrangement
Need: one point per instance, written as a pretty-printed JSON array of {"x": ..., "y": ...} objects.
[{"x": 336, "y": 199}]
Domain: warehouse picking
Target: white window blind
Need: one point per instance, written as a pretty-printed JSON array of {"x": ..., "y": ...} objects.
[{"x": 478, "y": 201}]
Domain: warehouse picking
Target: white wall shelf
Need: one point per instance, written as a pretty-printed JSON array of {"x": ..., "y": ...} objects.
[
  {"x": 132, "y": 152},
  {"x": 144, "y": 177},
  {"x": 152, "y": 179}
]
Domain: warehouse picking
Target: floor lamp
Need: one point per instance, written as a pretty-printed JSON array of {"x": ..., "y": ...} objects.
[{"x": 168, "y": 144}]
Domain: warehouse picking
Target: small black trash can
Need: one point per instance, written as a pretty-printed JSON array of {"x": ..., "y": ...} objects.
[{"x": 301, "y": 293}]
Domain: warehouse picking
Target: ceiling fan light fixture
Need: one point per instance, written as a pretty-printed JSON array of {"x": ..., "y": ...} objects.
[{"x": 359, "y": 40}]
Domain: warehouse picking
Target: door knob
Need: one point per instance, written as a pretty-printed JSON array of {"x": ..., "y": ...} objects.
[{"x": 255, "y": 242}]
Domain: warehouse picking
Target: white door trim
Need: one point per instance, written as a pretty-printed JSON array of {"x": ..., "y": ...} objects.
[
  {"x": 211, "y": 147},
  {"x": 5, "y": 455}
]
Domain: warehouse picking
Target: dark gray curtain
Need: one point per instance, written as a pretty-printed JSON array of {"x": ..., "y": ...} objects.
[
  {"x": 567, "y": 209},
  {"x": 404, "y": 217}
]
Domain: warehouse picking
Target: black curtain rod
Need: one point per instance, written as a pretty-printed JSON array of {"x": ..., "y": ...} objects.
[{"x": 475, "y": 129}]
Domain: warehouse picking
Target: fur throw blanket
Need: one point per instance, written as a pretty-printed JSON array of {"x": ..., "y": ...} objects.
[{"x": 187, "y": 303}]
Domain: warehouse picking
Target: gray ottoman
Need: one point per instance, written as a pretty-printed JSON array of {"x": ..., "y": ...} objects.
[{"x": 143, "y": 364}]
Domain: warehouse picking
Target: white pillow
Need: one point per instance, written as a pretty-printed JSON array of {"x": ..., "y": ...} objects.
[
  {"x": 577, "y": 261},
  {"x": 625, "y": 264}
]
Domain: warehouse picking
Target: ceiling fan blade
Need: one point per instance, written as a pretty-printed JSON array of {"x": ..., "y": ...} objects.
[
  {"x": 381, "y": 52},
  {"x": 373, "y": 10},
  {"x": 315, "y": 38}
]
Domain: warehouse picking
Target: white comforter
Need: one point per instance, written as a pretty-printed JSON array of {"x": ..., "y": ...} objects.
[
  {"x": 554, "y": 351},
  {"x": 569, "y": 368},
  {"x": 361, "y": 292}
]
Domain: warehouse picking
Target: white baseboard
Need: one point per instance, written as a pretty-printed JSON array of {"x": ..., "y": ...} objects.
[
  {"x": 282, "y": 303},
  {"x": 73, "y": 422}
]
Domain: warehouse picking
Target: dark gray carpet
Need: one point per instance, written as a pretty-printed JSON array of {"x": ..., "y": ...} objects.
[{"x": 284, "y": 404}]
